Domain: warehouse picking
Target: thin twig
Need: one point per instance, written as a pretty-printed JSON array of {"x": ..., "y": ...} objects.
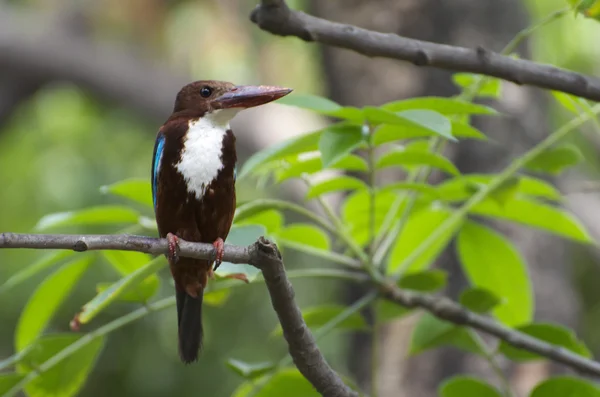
[{"x": 277, "y": 18}]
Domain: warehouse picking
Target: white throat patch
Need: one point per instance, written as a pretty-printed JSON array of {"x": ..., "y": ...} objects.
[{"x": 202, "y": 147}]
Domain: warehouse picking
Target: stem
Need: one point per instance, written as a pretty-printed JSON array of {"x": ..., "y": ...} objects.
[
  {"x": 482, "y": 193},
  {"x": 371, "y": 183},
  {"x": 493, "y": 362}
]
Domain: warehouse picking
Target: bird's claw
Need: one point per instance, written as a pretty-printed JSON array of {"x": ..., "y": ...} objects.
[
  {"x": 219, "y": 251},
  {"x": 173, "y": 248}
]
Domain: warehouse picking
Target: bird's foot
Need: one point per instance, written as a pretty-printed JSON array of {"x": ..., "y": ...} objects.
[
  {"x": 238, "y": 276},
  {"x": 219, "y": 251},
  {"x": 173, "y": 255}
]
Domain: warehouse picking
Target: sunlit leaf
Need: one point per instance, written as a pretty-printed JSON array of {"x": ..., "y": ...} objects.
[
  {"x": 588, "y": 8},
  {"x": 138, "y": 190},
  {"x": 432, "y": 332},
  {"x": 536, "y": 214},
  {"x": 416, "y": 158},
  {"x": 467, "y": 386},
  {"x": 287, "y": 382},
  {"x": 337, "y": 143},
  {"x": 141, "y": 293},
  {"x": 249, "y": 370},
  {"x": 100, "y": 215},
  {"x": 318, "y": 316},
  {"x": 551, "y": 333},
  {"x": 36, "y": 267},
  {"x": 566, "y": 100},
  {"x": 216, "y": 297},
  {"x": 446, "y": 106},
  {"x": 425, "y": 281},
  {"x": 462, "y": 187},
  {"x": 464, "y": 130},
  {"x": 8, "y": 381},
  {"x": 433, "y": 121},
  {"x": 491, "y": 87},
  {"x": 272, "y": 220},
  {"x": 555, "y": 160},
  {"x": 299, "y": 144},
  {"x": 335, "y": 184},
  {"x": 303, "y": 164},
  {"x": 563, "y": 386},
  {"x": 479, "y": 300},
  {"x": 418, "y": 227},
  {"x": 67, "y": 377},
  {"x": 389, "y": 133},
  {"x": 46, "y": 300},
  {"x": 304, "y": 234},
  {"x": 415, "y": 187},
  {"x": 491, "y": 262},
  {"x": 107, "y": 296}
]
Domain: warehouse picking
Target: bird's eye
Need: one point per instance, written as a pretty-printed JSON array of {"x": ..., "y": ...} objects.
[{"x": 205, "y": 92}]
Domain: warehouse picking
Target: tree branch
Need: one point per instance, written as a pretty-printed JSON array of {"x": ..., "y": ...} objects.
[
  {"x": 276, "y": 17},
  {"x": 448, "y": 310},
  {"x": 263, "y": 255}
]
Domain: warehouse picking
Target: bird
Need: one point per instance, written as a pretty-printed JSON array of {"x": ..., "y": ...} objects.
[{"x": 193, "y": 189}]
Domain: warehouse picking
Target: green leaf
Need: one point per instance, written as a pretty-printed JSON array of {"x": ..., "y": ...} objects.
[
  {"x": 216, "y": 297},
  {"x": 491, "y": 87},
  {"x": 566, "y": 100},
  {"x": 479, "y": 300},
  {"x": 464, "y": 130},
  {"x": 41, "y": 264},
  {"x": 116, "y": 290},
  {"x": 445, "y": 106},
  {"x": 46, "y": 300},
  {"x": 490, "y": 261},
  {"x": 565, "y": 386},
  {"x": 551, "y": 333},
  {"x": 462, "y": 187},
  {"x": 538, "y": 215},
  {"x": 432, "y": 332},
  {"x": 67, "y": 377},
  {"x": 553, "y": 161},
  {"x": 335, "y": 184},
  {"x": 430, "y": 120},
  {"x": 100, "y": 215},
  {"x": 420, "y": 224},
  {"x": 318, "y": 316},
  {"x": 388, "y": 133},
  {"x": 241, "y": 235},
  {"x": 304, "y": 234},
  {"x": 588, "y": 8},
  {"x": 387, "y": 311},
  {"x": 140, "y": 294},
  {"x": 467, "y": 386},
  {"x": 416, "y": 158},
  {"x": 310, "y": 164},
  {"x": 249, "y": 371},
  {"x": 135, "y": 189},
  {"x": 8, "y": 381},
  {"x": 337, "y": 143},
  {"x": 303, "y": 143},
  {"x": 425, "y": 281},
  {"x": 287, "y": 382},
  {"x": 272, "y": 220}
]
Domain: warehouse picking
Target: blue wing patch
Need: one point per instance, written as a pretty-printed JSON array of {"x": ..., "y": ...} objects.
[{"x": 158, "y": 153}]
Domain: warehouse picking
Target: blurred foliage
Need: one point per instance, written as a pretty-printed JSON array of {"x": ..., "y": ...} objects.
[{"x": 63, "y": 145}]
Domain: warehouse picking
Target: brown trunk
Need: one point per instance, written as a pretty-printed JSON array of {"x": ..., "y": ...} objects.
[{"x": 357, "y": 80}]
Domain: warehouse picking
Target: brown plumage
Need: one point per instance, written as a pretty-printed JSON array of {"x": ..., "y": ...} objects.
[{"x": 195, "y": 199}]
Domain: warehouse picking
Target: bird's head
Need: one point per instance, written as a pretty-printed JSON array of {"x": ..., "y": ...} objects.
[{"x": 209, "y": 97}]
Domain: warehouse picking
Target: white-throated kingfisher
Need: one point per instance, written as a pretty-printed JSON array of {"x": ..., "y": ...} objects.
[{"x": 193, "y": 188}]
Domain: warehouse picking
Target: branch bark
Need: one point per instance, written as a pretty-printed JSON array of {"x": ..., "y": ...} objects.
[
  {"x": 276, "y": 17},
  {"x": 263, "y": 255}
]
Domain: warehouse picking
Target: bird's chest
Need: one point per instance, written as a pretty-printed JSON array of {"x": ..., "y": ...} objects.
[{"x": 202, "y": 156}]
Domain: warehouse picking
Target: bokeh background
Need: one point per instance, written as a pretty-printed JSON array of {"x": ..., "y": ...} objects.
[{"x": 84, "y": 86}]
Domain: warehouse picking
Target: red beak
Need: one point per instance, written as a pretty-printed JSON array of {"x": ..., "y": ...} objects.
[{"x": 247, "y": 96}]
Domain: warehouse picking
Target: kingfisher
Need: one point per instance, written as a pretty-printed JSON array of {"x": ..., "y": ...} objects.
[{"x": 193, "y": 188}]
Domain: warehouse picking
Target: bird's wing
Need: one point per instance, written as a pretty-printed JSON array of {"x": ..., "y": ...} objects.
[{"x": 159, "y": 146}]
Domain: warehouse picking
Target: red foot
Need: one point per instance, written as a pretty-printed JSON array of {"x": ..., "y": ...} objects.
[
  {"x": 173, "y": 255},
  {"x": 238, "y": 276},
  {"x": 219, "y": 251}
]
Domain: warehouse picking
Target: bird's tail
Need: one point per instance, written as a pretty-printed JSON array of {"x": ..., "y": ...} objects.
[{"x": 189, "y": 316}]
